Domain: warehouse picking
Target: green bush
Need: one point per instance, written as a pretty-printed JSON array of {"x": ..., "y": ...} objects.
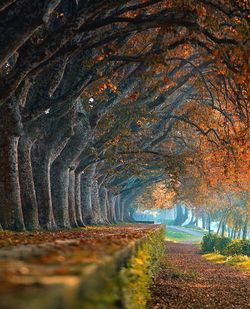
[
  {"x": 221, "y": 244},
  {"x": 212, "y": 243},
  {"x": 225, "y": 245},
  {"x": 238, "y": 247},
  {"x": 208, "y": 243}
]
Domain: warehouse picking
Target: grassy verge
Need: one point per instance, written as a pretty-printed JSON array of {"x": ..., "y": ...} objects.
[
  {"x": 239, "y": 261},
  {"x": 177, "y": 236}
]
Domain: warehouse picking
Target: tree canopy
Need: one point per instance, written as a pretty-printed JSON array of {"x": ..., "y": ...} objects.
[{"x": 101, "y": 99}]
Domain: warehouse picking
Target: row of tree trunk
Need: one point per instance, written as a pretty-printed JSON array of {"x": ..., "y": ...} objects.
[
  {"x": 40, "y": 189},
  {"x": 236, "y": 232}
]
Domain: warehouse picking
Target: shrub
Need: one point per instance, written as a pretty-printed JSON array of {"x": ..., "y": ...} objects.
[
  {"x": 221, "y": 244},
  {"x": 224, "y": 245},
  {"x": 208, "y": 242},
  {"x": 238, "y": 247}
]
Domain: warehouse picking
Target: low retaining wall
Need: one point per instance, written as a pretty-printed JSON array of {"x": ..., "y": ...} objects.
[{"x": 69, "y": 274}]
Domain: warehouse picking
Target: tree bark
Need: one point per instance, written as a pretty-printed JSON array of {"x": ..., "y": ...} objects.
[
  {"x": 86, "y": 190},
  {"x": 117, "y": 208},
  {"x": 95, "y": 199},
  {"x": 104, "y": 203},
  {"x": 232, "y": 233},
  {"x": 209, "y": 223},
  {"x": 112, "y": 209},
  {"x": 203, "y": 219},
  {"x": 60, "y": 193},
  {"x": 245, "y": 228},
  {"x": 41, "y": 173},
  {"x": 19, "y": 29},
  {"x": 60, "y": 173},
  {"x": 219, "y": 226},
  {"x": 127, "y": 214},
  {"x": 28, "y": 194},
  {"x": 11, "y": 215},
  {"x": 192, "y": 220},
  {"x": 223, "y": 228},
  {"x": 180, "y": 216},
  {"x": 122, "y": 205},
  {"x": 71, "y": 199},
  {"x": 79, "y": 218}
]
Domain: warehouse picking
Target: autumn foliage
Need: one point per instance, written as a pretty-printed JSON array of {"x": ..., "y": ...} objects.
[{"x": 102, "y": 101}]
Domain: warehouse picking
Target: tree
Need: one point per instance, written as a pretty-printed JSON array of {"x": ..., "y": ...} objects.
[{"x": 93, "y": 95}]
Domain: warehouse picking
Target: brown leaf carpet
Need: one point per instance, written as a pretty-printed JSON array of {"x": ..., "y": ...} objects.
[{"x": 188, "y": 281}]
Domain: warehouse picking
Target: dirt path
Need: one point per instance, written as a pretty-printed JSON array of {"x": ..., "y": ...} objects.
[{"x": 188, "y": 281}]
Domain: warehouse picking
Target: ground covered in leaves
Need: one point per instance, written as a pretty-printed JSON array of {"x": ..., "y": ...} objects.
[
  {"x": 189, "y": 281},
  {"x": 34, "y": 258}
]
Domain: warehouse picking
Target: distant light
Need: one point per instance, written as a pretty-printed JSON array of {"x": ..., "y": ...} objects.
[
  {"x": 91, "y": 100},
  {"x": 47, "y": 111}
]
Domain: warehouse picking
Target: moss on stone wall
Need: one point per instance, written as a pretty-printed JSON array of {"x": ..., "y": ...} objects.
[
  {"x": 124, "y": 281},
  {"x": 136, "y": 277}
]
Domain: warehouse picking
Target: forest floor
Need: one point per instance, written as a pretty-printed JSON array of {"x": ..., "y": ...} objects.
[{"x": 188, "y": 281}]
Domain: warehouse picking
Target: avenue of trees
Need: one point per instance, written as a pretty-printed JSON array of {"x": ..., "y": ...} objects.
[{"x": 100, "y": 100}]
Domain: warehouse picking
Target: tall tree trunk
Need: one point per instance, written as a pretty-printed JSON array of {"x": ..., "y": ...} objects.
[
  {"x": 180, "y": 216},
  {"x": 66, "y": 160},
  {"x": 122, "y": 205},
  {"x": 203, "y": 219},
  {"x": 245, "y": 228},
  {"x": 117, "y": 208},
  {"x": 95, "y": 199},
  {"x": 209, "y": 223},
  {"x": 79, "y": 218},
  {"x": 223, "y": 228},
  {"x": 219, "y": 226},
  {"x": 192, "y": 221},
  {"x": 86, "y": 192},
  {"x": 112, "y": 209},
  {"x": 11, "y": 216},
  {"x": 232, "y": 233},
  {"x": 109, "y": 208},
  {"x": 127, "y": 214},
  {"x": 196, "y": 220},
  {"x": 104, "y": 203},
  {"x": 60, "y": 193},
  {"x": 41, "y": 173},
  {"x": 71, "y": 199},
  {"x": 44, "y": 152},
  {"x": 28, "y": 194}
]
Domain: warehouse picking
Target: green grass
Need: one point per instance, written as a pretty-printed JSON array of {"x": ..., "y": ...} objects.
[
  {"x": 239, "y": 261},
  {"x": 181, "y": 237}
]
